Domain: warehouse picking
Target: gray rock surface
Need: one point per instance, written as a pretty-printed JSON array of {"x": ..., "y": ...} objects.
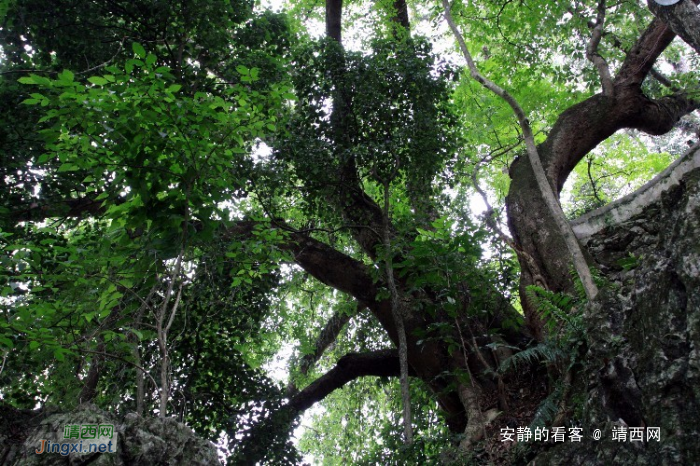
[
  {"x": 642, "y": 368},
  {"x": 137, "y": 440}
]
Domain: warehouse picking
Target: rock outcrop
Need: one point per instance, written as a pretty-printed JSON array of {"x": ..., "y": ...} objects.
[
  {"x": 136, "y": 440},
  {"x": 642, "y": 368}
]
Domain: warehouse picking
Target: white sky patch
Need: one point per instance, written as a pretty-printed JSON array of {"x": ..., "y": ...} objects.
[
  {"x": 262, "y": 153},
  {"x": 277, "y": 368}
]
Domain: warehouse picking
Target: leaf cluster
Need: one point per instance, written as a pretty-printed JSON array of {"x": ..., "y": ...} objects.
[{"x": 394, "y": 117}]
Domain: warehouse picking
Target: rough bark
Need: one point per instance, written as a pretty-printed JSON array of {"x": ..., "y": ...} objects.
[{"x": 683, "y": 18}]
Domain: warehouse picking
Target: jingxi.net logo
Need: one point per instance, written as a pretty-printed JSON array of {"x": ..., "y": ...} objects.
[{"x": 82, "y": 439}]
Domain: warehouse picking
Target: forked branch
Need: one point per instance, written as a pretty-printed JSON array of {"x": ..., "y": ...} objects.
[{"x": 546, "y": 190}]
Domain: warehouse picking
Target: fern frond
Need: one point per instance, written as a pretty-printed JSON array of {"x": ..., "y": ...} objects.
[
  {"x": 540, "y": 352},
  {"x": 555, "y": 307},
  {"x": 547, "y": 410}
]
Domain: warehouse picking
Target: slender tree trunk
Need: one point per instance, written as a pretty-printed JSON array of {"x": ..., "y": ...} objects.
[{"x": 398, "y": 315}]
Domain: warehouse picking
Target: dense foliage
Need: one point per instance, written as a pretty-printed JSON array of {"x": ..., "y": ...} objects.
[{"x": 197, "y": 191}]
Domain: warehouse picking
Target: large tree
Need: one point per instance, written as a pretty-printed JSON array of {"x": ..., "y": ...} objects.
[{"x": 191, "y": 188}]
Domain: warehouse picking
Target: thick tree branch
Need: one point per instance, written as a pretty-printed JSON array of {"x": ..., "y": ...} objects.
[
  {"x": 492, "y": 223},
  {"x": 399, "y": 25},
  {"x": 582, "y": 127},
  {"x": 327, "y": 337},
  {"x": 329, "y": 266},
  {"x": 359, "y": 209},
  {"x": 577, "y": 131},
  {"x": 348, "y": 275},
  {"x": 642, "y": 56},
  {"x": 683, "y": 18},
  {"x": 400, "y": 16},
  {"x": 334, "y": 10},
  {"x": 276, "y": 428},
  {"x": 356, "y": 207},
  {"x": 333, "y": 268},
  {"x": 382, "y": 363},
  {"x": 426, "y": 358}
]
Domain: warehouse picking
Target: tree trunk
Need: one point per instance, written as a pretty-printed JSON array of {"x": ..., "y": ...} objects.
[{"x": 578, "y": 131}]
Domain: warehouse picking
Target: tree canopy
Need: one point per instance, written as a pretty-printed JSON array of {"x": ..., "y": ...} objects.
[{"x": 196, "y": 192}]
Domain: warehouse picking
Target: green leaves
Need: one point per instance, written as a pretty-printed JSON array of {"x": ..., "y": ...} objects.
[
  {"x": 395, "y": 111},
  {"x": 248, "y": 75},
  {"x": 66, "y": 76},
  {"x": 98, "y": 81},
  {"x": 134, "y": 131},
  {"x": 138, "y": 50},
  {"x": 34, "y": 79},
  {"x": 165, "y": 169}
]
